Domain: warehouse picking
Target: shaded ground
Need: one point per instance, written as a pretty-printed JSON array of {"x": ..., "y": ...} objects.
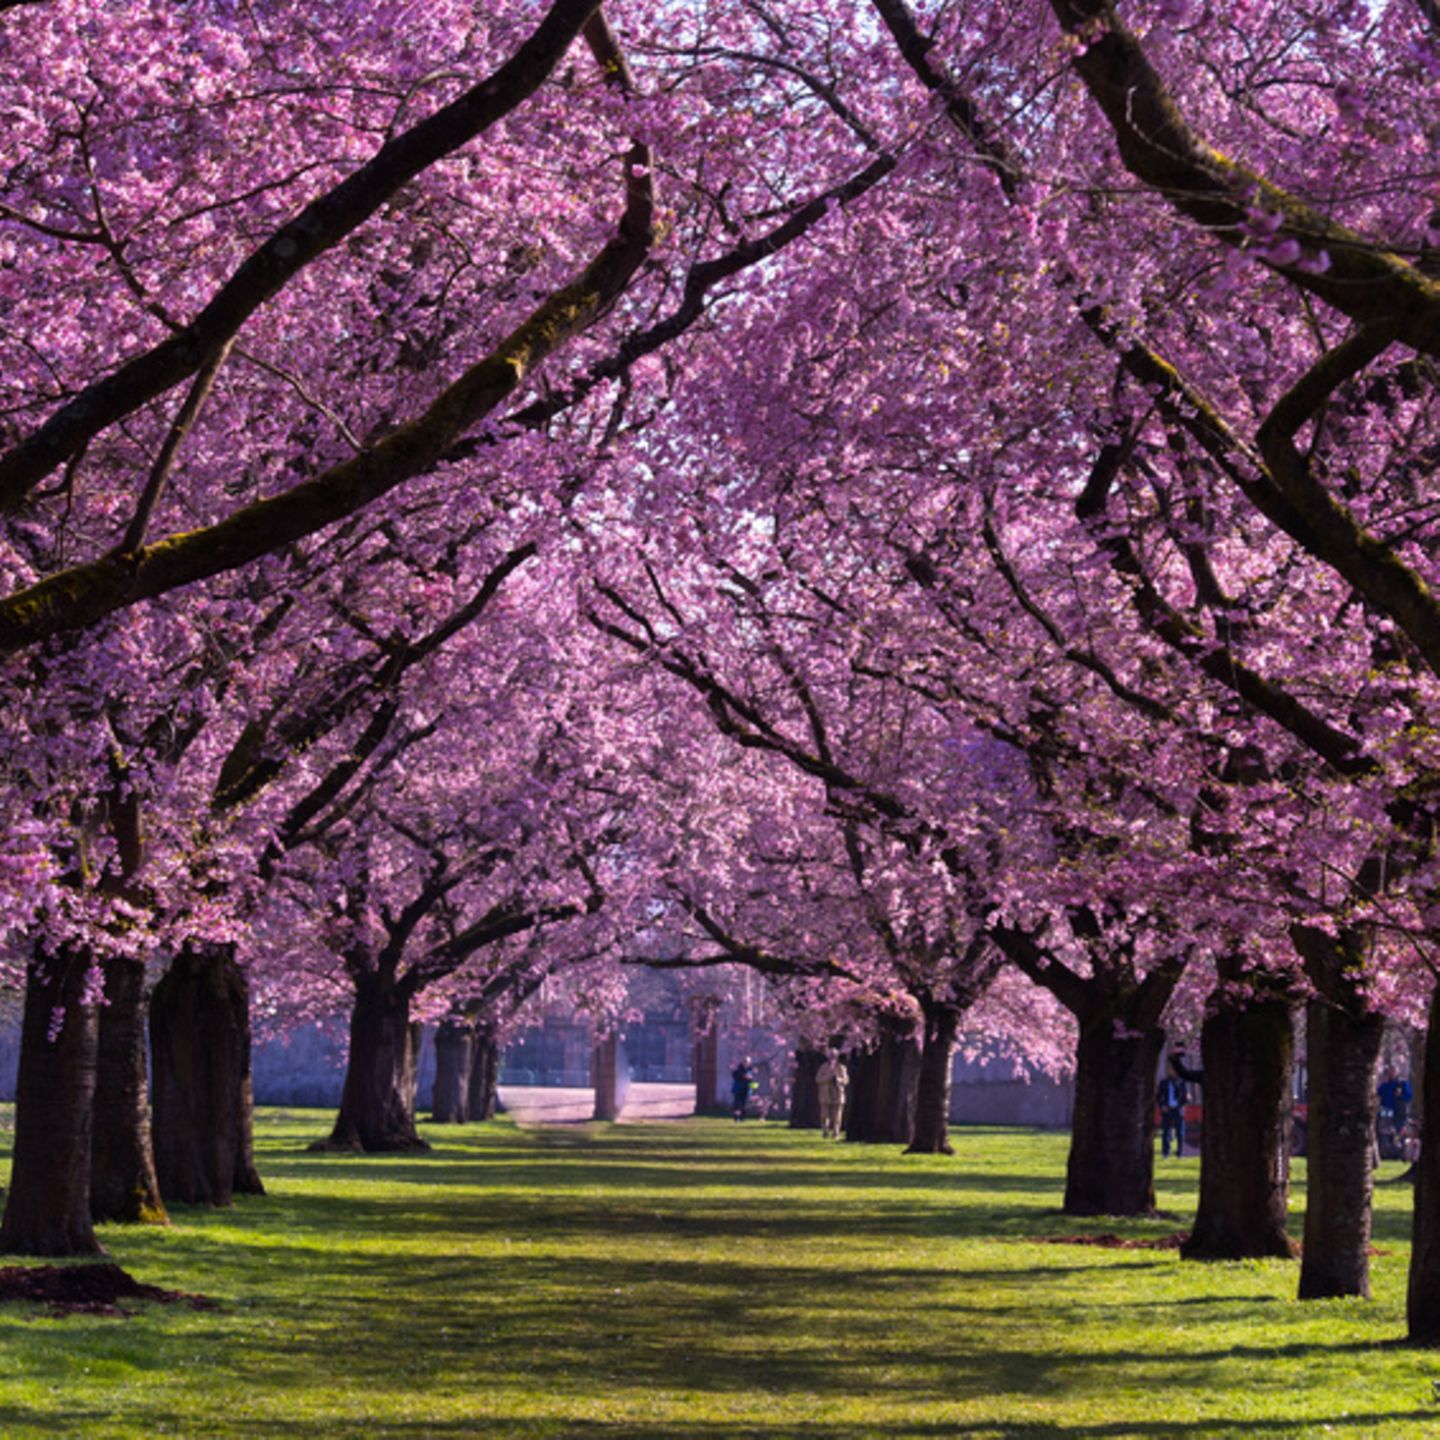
[{"x": 1109, "y": 1240}]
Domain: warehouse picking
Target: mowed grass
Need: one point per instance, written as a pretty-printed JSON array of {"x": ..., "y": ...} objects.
[{"x": 704, "y": 1279}]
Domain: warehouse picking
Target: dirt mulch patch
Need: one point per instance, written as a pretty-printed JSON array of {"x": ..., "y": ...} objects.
[
  {"x": 86, "y": 1289},
  {"x": 1109, "y": 1240}
]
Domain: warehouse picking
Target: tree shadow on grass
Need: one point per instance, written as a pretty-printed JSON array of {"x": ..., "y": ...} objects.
[
  {"x": 581, "y": 1171},
  {"x": 710, "y": 1325},
  {"x": 786, "y": 1157},
  {"x": 482, "y": 1423},
  {"x": 1209, "y": 1429},
  {"x": 632, "y": 1325},
  {"x": 536, "y": 1211}
]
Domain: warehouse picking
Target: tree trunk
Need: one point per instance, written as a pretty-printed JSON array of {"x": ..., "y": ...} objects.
[
  {"x": 1111, "y": 1166},
  {"x": 804, "y": 1092},
  {"x": 705, "y": 1065},
  {"x": 883, "y": 1082},
  {"x": 1111, "y": 1169},
  {"x": 930, "y": 1133},
  {"x": 200, "y": 1056},
  {"x": 484, "y": 1074},
  {"x": 1422, "y": 1302},
  {"x": 1344, "y": 1054},
  {"x": 47, "y": 1210},
  {"x": 604, "y": 1076},
  {"x": 454, "y": 1057},
  {"x": 377, "y": 1106},
  {"x": 1247, "y": 1050},
  {"x": 123, "y": 1184}
]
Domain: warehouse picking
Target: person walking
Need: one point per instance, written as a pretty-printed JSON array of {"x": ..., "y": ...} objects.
[
  {"x": 742, "y": 1082},
  {"x": 832, "y": 1079}
]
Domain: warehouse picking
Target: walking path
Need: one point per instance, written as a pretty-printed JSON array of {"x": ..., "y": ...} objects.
[{"x": 570, "y": 1105}]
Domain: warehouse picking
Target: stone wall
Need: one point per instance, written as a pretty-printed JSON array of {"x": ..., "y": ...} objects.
[{"x": 990, "y": 1094}]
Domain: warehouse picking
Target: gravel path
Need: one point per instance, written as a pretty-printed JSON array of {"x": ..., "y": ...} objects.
[{"x": 566, "y": 1105}]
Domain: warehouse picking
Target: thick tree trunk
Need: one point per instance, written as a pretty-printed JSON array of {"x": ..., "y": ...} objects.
[
  {"x": 1247, "y": 1050},
  {"x": 123, "y": 1184},
  {"x": 1111, "y": 1169},
  {"x": 47, "y": 1210},
  {"x": 1419, "y": 1042},
  {"x": 604, "y": 1076},
  {"x": 454, "y": 1057},
  {"x": 377, "y": 1105},
  {"x": 1422, "y": 1302},
  {"x": 804, "y": 1092},
  {"x": 484, "y": 1074},
  {"x": 930, "y": 1134},
  {"x": 883, "y": 1082},
  {"x": 200, "y": 1056},
  {"x": 705, "y": 1065},
  {"x": 1344, "y": 1054}
]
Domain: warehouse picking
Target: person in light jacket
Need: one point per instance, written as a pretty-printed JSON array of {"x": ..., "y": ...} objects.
[{"x": 831, "y": 1079}]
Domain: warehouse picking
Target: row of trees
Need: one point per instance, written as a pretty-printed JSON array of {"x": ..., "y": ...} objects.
[{"x": 875, "y": 494}]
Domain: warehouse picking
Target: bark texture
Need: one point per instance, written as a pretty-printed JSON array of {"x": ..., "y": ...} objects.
[
  {"x": 123, "y": 1183},
  {"x": 604, "y": 1075},
  {"x": 200, "y": 1054},
  {"x": 1344, "y": 1036},
  {"x": 1422, "y": 1300},
  {"x": 1111, "y": 1169},
  {"x": 930, "y": 1132},
  {"x": 1247, "y": 1049},
  {"x": 883, "y": 1085},
  {"x": 454, "y": 1058},
  {"x": 804, "y": 1092},
  {"x": 710, "y": 1099},
  {"x": 484, "y": 1075},
  {"x": 47, "y": 1209},
  {"x": 1117, "y": 1008},
  {"x": 377, "y": 1106},
  {"x": 1344, "y": 1054}
]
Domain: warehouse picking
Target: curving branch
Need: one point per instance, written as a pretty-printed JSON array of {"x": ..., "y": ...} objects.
[
  {"x": 86, "y": 593},
  {"x": 1147, "y": 705},
  {"x": 265, "y": 749},
  {"x": 734, "y": 951},
  {"x": 1342, "y": 752},
  {"x": 918, "y": 51},
  {"x": 1337, "y": 538},
  {"x": 324, "y": 222},
  {"x": 1159, "y": 148},
  {"x": 701, "y": 279}
]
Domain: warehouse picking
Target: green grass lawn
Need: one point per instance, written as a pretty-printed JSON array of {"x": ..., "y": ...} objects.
[{"x": 704, "y": 1279}]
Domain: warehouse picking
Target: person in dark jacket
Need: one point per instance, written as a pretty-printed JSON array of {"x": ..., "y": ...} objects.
[
  {"x": 742, "y": 1082},
  {"x": 1170, "y": 1097},
  {"x": 1395, "y": 1096}
]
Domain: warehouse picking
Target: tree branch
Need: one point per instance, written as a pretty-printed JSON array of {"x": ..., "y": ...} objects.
[
  {"x": 320, "y": 225},
  {"x": 1157, "y": 145}
]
